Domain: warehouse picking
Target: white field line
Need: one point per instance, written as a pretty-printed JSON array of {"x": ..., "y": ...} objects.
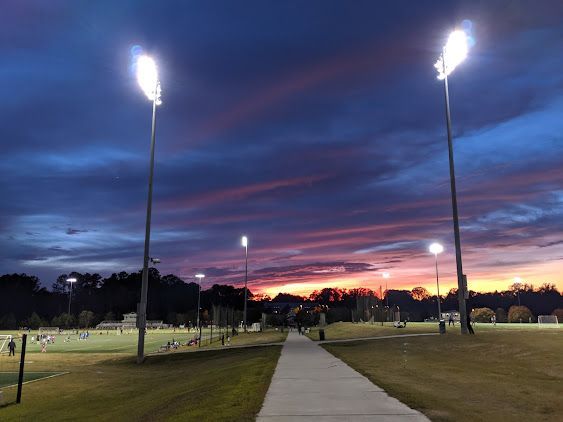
[
  {"x": 38, "y": 379},
  {"x": 347, "y": 340}
]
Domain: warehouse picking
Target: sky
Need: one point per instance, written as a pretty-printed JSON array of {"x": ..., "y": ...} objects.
[{"x": 315, "y": 128}]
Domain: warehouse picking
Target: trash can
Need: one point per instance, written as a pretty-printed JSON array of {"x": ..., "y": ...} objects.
[
  {"x": 321, "y": 335},
  {"x": 442, "y": 326}
]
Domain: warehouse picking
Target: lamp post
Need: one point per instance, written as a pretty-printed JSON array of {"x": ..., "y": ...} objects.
[
  {"x": 71, "y": 281},
  {"x": 244, "y": 243},
  {"x": 147, "y": 77},
  {"x": 199, "y": 278},
  {"x": 436, "y": 249},
  {"x": 453, "y": 53}
]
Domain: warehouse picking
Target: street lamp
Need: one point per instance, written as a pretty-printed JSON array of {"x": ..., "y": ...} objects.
[
  {"x": 244, "y": 243},
  {"x": 453, "y": 53},
  {"x": 71, "y": 281},
  {"x": 436, "y": 249},
  {"x": 147, "y": 77},
  {"x": 199, "y": 278}
]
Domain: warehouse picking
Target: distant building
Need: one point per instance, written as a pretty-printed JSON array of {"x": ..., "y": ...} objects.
[{"x": 129, "y": 322}]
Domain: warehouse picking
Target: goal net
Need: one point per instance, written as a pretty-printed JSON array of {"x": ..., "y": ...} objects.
[
  {"x": 4, "y": 340},
  {"x": 548, "y": 321},
  {"x": 50, "y": 331}
]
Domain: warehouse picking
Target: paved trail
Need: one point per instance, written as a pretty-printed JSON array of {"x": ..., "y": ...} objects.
[{"x": 311, "y": 384}]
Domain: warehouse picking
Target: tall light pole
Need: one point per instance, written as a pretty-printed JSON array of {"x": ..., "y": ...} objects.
[
  {"x": 147, "y": 76},
  {"x": 71, "y": 281},
  {"x": 199, "y": 278},
  {"x": 386, "y": 276},
  {"x": 453, "y": 53},
  {"x": 244, "y": 243},
  {"x": 436, "y": 249}
]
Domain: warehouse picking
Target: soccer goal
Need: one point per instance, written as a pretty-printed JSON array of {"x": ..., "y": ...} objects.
[
  {"x": 547, "y": 321},
  {"x": 50, "y": 331},
  {"x": 4, "y": 340}
]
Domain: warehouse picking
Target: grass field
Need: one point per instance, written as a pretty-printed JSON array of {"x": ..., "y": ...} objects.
[
  {"x": 344, "y": 330},
  {"x": 104, "y": 383},
  {"x": 348, "y": 330},
  {"x": 499, "y": 374}
]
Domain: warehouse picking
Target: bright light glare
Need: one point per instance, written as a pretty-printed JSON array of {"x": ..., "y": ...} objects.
[
  {"x": 71, "y": 280},
  {"x": 147, "y": 76},
  {"x": 244, "y": 242},
  {"x": 517, "y": 280},
  {"x": 386, "y": 275},
  {"x": 454, "y": 53},
  {"x": 200, "y": 276},
  {"x": 436, "y": 248}
]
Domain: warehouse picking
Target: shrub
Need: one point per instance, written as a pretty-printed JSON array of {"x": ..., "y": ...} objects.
[
  {"x": 519, "y": 314},
  {"x": 482, "y": 314}
]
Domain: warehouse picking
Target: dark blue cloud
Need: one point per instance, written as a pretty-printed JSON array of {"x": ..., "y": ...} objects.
[{"x": 316, "y": 128}]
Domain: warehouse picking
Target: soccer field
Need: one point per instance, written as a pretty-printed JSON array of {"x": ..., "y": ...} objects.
[
  {"x": 112, "y": 342},
  {"x": 100, "y": 379}
]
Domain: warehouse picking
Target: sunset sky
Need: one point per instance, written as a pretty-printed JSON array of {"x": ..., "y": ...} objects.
[{"x": 316, "y": 128}]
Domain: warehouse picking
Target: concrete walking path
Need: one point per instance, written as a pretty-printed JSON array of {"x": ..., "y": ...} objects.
[{"x": 311, "y": 384}]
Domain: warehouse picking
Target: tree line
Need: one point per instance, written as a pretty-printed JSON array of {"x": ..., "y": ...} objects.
[{"x": 94, "y": 298}]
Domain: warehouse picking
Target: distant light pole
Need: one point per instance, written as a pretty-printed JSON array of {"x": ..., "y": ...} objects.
[
  {"x": 147, "y": 76},
  {"x": 436, "y": 249},
  {"x": 518, "y": 282},
  {"x": 453, "y": 53},
  {"x": 244, "y": 243},
  {"x": 386, "y": 276},
  {"x": 199, "y": 278},
  {"x": 71, "y": 280}
]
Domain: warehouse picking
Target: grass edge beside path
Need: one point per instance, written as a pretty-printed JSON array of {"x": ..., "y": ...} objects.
[
  {"x": 215, "y": 386},
  {"x": 491, "y": 376}
]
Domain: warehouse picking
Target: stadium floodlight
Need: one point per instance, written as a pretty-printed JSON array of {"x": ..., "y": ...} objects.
[
  {"x": 71, "y": 281},
  {"x": 453, "y": 53},
  {"x": 147, "y": 76},
  {"x": 199, "y": 278},
  {"x": 436, "y": 249},
  {"x": 244, "y": 243}
]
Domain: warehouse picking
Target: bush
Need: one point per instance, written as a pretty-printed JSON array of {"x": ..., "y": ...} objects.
[
  {"x": 501, "y": 315},
  {"x": 482, "y": 314},
  {"x": 519, "y": 314},
  {"x": 558, "y": 313}
]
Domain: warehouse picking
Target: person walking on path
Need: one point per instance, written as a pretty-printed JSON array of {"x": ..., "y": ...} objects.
[
  {"x": 451, "y": 320},
  {"x": 12, "y": 347}
]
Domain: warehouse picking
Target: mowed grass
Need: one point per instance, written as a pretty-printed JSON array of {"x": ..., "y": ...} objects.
[
  {"x": 249, "y": 339},
  {"x": 498, "y": 374},
  {"x": 345, "y": 330},
  {"x": 223, "y": 385},
  {"x": 349, "y": 330}
]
